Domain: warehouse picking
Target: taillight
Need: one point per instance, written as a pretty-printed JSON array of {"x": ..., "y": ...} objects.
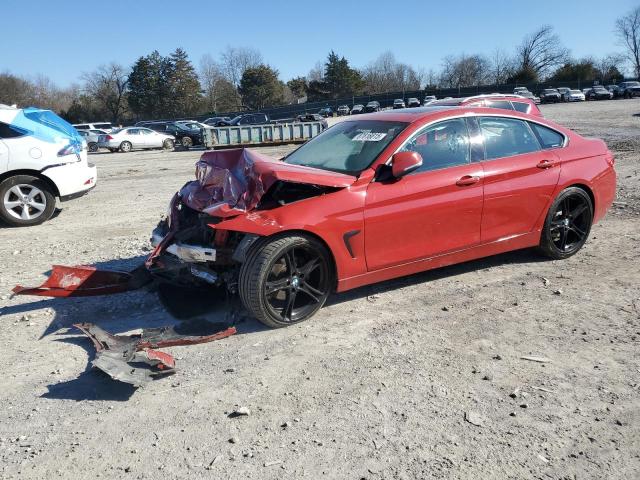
[
  {"x": 71, "y": 149},
  {"x": 108, "y": 137}
]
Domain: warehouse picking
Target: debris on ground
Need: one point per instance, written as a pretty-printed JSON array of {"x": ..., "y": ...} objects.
[
  {"x": 536, "y": 359},
  {"x": 134, "y": 359},
  {"x": 474, "y": 418}
]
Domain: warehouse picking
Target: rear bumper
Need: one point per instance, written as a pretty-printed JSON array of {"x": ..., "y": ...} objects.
[{"x": 73, "y": 179}]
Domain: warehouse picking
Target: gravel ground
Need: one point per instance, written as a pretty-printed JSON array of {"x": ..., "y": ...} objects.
[{"x": 420, "y": 377}]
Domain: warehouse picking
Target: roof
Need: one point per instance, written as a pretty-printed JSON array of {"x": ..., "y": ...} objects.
[{"x": 408, "y": 115}]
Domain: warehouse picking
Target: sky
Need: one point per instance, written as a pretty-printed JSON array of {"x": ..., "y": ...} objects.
[{"x": 62, "y": 39}]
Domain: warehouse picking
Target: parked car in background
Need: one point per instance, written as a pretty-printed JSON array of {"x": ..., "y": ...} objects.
[
  {"x": 41, "y": 157},
  {"x": 519, "y": 90},
  {"x": 576, "y": 96},
  {"x": 313, "y": 117},
  {"x": 343, "y": 110},
  {"x": 550, "y": 95},
  {"x": 413, "y": 102},
  {"x": 326, "y": 112},
  {"x": 130, "y": 138},
  {"x": 106, "y": 126},
  {"x": 356, "y": 109},
  {"x": 615, "y": 90},
  {"x": 481, "y": 184},
  {"x": 156, "y": 125},
  {"x": 629, "y": 89},
  {"x": 585, "y": 91},
  {"x": 398, "y": 103},
  {"x": 91, "y": 137},
  {"x": 598, "y": 92},
  {"x": 494, "y": 100},
  {"x": 192, "y": 124},
  {"x": 183, "y": 135},
  {"x": 564, "y": 93},
  {"x": 530, "y": 96},
  {"x": 245, "y": 119},
  {"x": 213, "y": 121},
  {"x": 428, "y": 99},
  {"x": 372, "y": 106}
]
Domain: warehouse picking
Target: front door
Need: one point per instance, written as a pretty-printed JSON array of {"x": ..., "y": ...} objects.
[{"x": 434, "y": 210}]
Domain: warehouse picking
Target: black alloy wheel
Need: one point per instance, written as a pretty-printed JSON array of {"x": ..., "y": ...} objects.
[
  {"x": 568, "y": 223},
  {"x": 286, "y": 280}
]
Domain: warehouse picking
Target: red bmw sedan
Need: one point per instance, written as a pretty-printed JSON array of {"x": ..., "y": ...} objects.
[{"x": 381, "y": 196}]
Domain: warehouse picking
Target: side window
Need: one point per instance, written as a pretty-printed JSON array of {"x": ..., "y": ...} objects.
[
  {"x": 133, "y": 131},
  {"x": 445, "y": 144},
  {"x": 548, "y": 138},
  {"x": 505, "y": 137},
  {"x": 499, "y": 104},
  {"x": 521, "y": 107},
  {"x": 7, "y": 131}
]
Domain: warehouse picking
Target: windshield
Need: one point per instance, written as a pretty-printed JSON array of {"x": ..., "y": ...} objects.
[{"x": 347, "y": 147}]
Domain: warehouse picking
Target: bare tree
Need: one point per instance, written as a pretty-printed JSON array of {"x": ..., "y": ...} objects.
[
  {"x": 502, "y": 67},
  {"x": 609, "y": 66},
  {"x": 219, "y": 94},
  {"x": 235, "y": 60},
  {"x": 540, "y": 51},
  {"x": 386, "y": 74},
  {"x": 108, "y": 86},
  {"x": 316, "y": 74},
  {"x": 464, "y": 71},
  {"x": 628, "y": 31}
]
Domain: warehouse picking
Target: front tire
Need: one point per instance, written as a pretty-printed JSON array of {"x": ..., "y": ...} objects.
[
  {"x": 168, "y": 144},
  {"x": 93, "y": 147},
  {"x": 187, "y": 142},
  {"x": 285, "y": 280},
  {"x": 568, "y": 224},
  {"x": 25, "y": 201}
]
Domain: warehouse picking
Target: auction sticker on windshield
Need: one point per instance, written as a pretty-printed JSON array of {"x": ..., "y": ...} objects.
[{"x": 369, "y": 137}]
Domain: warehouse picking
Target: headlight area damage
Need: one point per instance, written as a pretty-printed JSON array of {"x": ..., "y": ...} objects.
[{"x": 191, "y": 245}]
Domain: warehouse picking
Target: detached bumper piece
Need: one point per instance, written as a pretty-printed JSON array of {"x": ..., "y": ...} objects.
[
  {"x": 134, "y": 359},
  {"x": 86, "y": 281}
]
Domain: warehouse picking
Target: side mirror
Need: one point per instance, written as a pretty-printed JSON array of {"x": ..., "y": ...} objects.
[{"x": 403, "y": 163}]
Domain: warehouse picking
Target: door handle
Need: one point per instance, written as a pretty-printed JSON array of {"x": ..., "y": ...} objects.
[
  {"x": 467, "y": 180},
  {"x": 546, "y": 164}
]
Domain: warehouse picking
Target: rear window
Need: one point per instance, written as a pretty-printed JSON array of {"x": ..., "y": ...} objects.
[
  {"x": 499, "y": 104},
  {"x": 506, "y": 137},
  {"x": 81, "y": 127},
  {"x": 548, "y": 137},
  {"x": 102, "y": 125},
  {"x": 521, "y": 107},
  {"x": 7, "y": 131}
]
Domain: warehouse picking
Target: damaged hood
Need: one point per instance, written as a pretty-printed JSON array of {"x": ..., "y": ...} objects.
[{"x": 232, "y": 182}]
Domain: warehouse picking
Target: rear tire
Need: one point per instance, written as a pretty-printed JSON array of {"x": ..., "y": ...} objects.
[
  {"x": 26, "y": 201},
  {"x": 285, "y": 280},
  {"x": 93, "y": 147},
  {"x": 568, "y": 224},
  {"x": 125, "y": 147},
  {"x": 187, "y": 142}
]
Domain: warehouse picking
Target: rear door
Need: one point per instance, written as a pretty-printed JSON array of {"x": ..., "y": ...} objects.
[
  {"x": 520, "y": 176},
  {"x": 434, "y": 210}
]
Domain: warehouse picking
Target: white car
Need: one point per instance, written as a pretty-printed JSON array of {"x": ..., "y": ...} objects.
[
  {"x": 428, "y": 99},
  {"x": 42, "y": 157},
  {"x": 127, "y": 139},
  {"x": 575, "y": 96},
  {"x": 91, "y": 137},
  {"x": 106, "y": 126}
]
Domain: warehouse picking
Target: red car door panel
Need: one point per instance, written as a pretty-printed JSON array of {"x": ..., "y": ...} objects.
[
  {"x": 516, "y": 193},
  {"x": 517, "y": 186},
  {"x": 423, "y": 215}
]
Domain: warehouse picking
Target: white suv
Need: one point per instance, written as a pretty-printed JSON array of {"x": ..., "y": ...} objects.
[
  {"x": 41, "y": 157},
  {"x": 106, "y": 126}
]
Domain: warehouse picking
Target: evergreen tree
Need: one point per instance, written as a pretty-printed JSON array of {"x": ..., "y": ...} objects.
[
  {"x": 184, "y": 86},
  {"x": 260, "y": 87},
  {"x": 149, "y": 86}
]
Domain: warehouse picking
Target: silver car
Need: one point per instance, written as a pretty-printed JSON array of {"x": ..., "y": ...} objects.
[
  {"x": 92, "y": 137},
  {"x": 127, "y": 139}
]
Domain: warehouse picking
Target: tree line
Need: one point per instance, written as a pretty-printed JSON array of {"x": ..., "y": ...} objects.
[{"x": 171, "y": 86}]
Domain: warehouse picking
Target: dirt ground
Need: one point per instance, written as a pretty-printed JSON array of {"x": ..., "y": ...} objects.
[{"x": 420, "y": 377}]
